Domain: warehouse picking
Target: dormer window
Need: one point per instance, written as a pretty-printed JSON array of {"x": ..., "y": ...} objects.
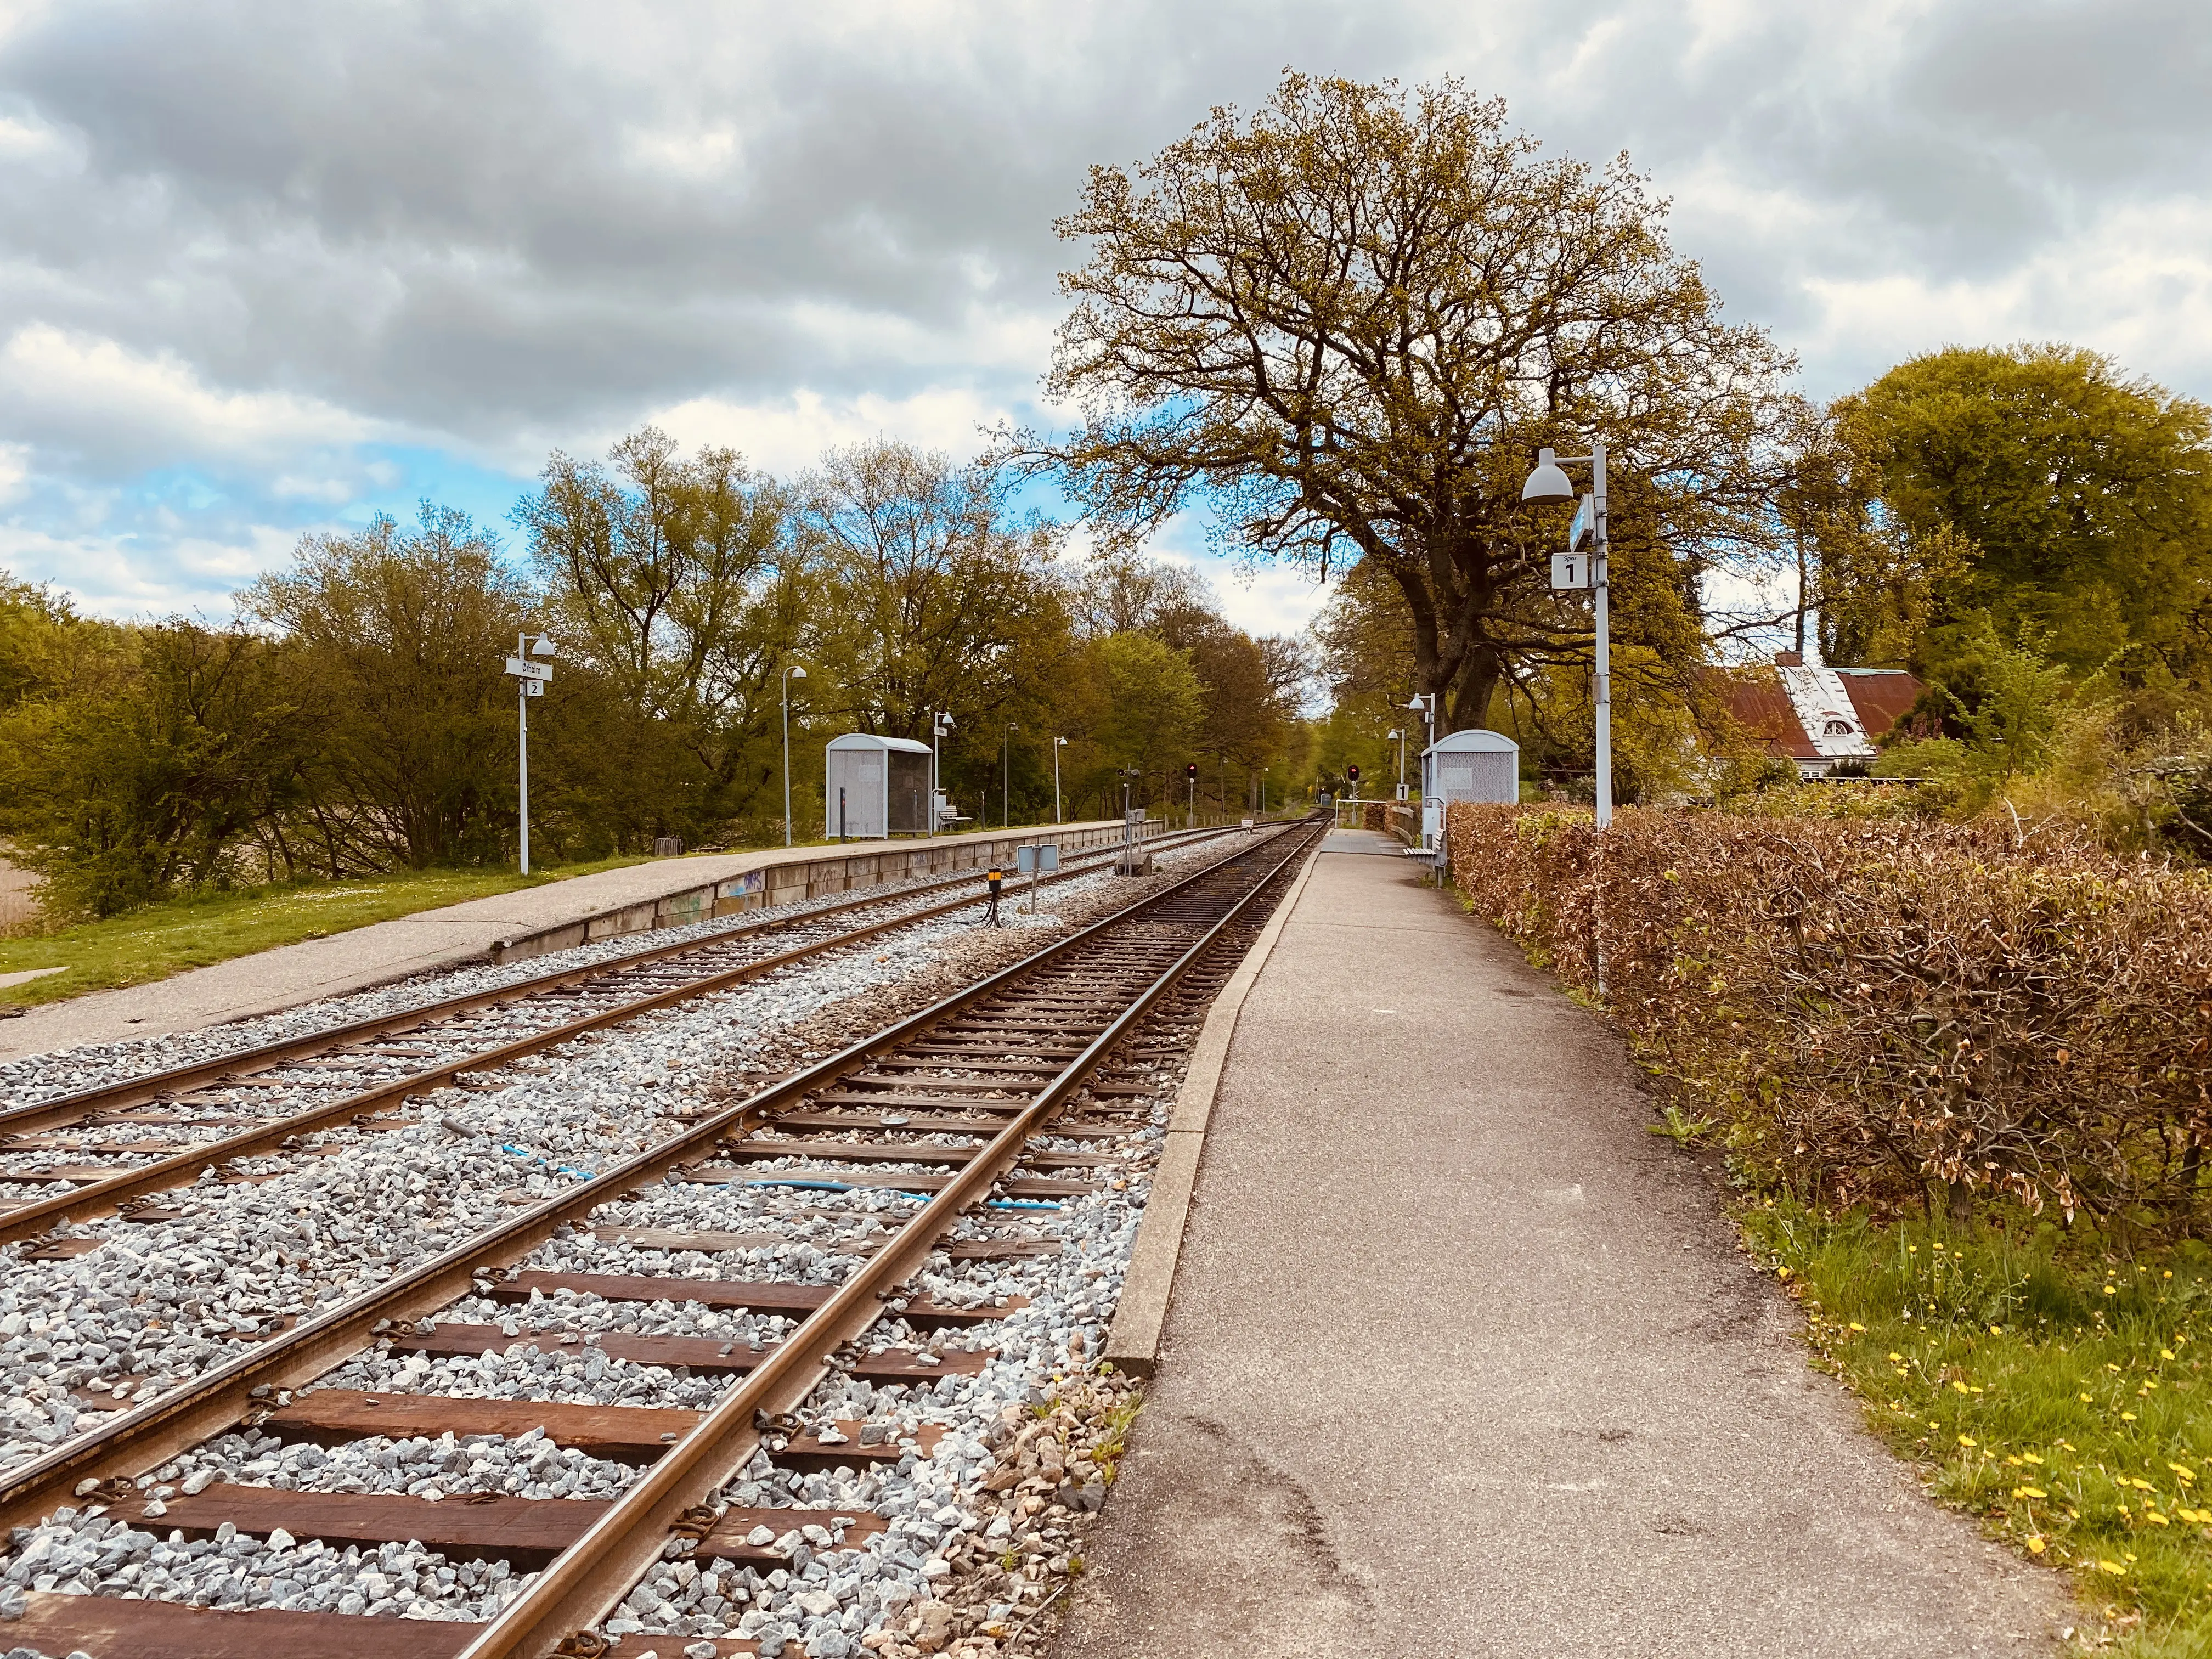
[{"x": 1836, "y": 729}]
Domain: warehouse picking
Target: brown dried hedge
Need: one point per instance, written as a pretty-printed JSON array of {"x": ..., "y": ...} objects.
[{"x": 1883, "y": 1010}]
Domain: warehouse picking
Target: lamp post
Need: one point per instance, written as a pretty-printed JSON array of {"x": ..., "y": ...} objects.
[
  {"x": 939, "y": 724},
  {"x": 1549, "y": 482},
  {"x": 1057, "y": 743},
  {"x": 794, "y": 673},
  {"x": 1401, "y": 735},
  {"x": 531, "y": 677},
  {"x": 1006, "y": 771}
]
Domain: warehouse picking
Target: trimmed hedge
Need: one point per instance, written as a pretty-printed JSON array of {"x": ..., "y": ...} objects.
[{"x": 1882, "y": 1011}]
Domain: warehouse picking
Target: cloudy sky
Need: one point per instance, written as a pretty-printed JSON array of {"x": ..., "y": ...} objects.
[{"x": 268, "y": 266}]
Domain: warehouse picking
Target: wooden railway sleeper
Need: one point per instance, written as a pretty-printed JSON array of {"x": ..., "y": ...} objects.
[{"x": 147, "y": 1436}]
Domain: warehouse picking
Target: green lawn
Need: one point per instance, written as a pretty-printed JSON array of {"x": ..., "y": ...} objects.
[
  {"x": 166, "y": 938},
  {"x": 2046, "y": 1383}
]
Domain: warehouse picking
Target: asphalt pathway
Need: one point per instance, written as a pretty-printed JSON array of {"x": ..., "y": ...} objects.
[{"x": 1461, "y": 1361}]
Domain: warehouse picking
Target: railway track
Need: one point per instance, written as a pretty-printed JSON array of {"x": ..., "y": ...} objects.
[
  {"x": 101, "y": 1151},
  {"x": 895, "y": 1194}
]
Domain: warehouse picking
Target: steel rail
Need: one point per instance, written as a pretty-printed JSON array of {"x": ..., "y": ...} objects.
[
  {"x": 149, "y": 1435},
  {"x": 586, "y": 1580},
  {"x": 97, "y": 1198},
  {"x": 245, "y": 1062}
]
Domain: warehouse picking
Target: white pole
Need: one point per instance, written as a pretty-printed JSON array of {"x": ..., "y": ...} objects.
[
  {"x": 1056, "y": 743},
  {"x": 522, "y": 724},
  {"x": 786, "y": 757},
  {"x": 1604, "y": 656},
  {"x": 933, "y": 774}
]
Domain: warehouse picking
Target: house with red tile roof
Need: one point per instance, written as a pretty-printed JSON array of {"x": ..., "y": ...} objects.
[{"x": 1817, "y": 718}]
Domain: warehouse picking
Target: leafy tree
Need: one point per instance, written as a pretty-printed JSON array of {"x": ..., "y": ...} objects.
[
  {"x": 929, "y": 593},
  {"x": 1250, "y": 688},
  {"x": 2042, "y": 487},
  {"x": 158, "y": 777},
  {"x": 678, "y": 590},
  {"x": 1132, "y": 704},
  {"x": 1346, "y": 325},
  {"x": 407, "y": 630}
]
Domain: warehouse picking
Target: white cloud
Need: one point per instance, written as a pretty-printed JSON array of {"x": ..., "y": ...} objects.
[
  {"x": 2137, "y": 284},
  {"x": 67, "y": 386},
  {"x": 482, "y": 231},
  {"x": 791, "y": 433},
  {"x": 112, "y": 575}
]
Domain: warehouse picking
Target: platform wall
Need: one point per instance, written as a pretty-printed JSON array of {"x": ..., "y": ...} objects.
[{"x": 787, "y": 882}]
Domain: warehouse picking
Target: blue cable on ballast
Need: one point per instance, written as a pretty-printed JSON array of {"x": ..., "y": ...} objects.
[
  {"x": 847, "y": 1187},
  {"x": 557, "y": 1168}
]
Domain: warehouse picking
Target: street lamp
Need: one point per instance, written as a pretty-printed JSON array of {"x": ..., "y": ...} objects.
[
  {"x": 1057, "y": 743},
  {"x": 1006, "y": 770},
  {"x": 530, "y": 678},
  {"x": 794, "y": 673},
  {"x": 1401, "y": 735},
  {"x": 939, "y": 724},
  {"x": 1424, "y": 704},
  {"x": 1549, "y": 482}
]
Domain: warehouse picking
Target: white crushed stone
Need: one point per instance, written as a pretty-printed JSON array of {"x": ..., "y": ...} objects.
[{"x": 169, "y": 1299}]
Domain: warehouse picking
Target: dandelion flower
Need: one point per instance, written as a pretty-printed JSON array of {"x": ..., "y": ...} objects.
[
  {"x": 2035, "y": 1543},
  {"x": 2112, "y": 1567},
  {"x": 1858, "y": 1327},
  {"x": 1966, "y": 1440}
]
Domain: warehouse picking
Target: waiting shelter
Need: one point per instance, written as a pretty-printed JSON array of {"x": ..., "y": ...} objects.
[
  {"x": 875, "y": 787},
  {"x": 1472, "y": 765}
]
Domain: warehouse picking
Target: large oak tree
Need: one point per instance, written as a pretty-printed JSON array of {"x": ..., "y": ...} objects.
[{"x": 1345, "y": 327}]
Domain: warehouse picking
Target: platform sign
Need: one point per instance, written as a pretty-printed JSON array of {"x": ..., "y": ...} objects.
[
  {"x": 1571, "y": 570},
  {"x": 1584, "y": 527},
  {"x": 523, "y": 668}
]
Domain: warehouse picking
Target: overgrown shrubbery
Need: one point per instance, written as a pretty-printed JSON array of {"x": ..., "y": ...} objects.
[{"x": 1890, "y": 1012}]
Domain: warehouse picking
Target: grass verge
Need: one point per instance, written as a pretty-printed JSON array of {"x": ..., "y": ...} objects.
[
  {"x": 165, "y": 939},
  {"x": 2045, "y": 1384}
]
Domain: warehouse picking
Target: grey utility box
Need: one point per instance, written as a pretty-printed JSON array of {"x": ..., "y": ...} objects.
[
  {"x": 1474, "y": 765},
  {"x": 875, "y": 787}
]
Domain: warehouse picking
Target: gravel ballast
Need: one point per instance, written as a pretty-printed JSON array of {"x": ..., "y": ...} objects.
[{"x": 978, "y": 1530}]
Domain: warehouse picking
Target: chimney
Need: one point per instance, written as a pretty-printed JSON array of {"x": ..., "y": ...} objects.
[{"x": 1788, "y": 660}]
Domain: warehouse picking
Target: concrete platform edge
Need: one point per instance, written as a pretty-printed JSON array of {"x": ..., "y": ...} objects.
[
  {"x": 792, "y": 875},
  {"x": 1132, "y": 1340}
]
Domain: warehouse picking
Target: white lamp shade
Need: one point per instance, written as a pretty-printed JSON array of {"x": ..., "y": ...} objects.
[{"x": 1548, "y": 482}]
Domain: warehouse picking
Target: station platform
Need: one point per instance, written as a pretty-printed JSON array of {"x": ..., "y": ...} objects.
[
  {"x": 1460, "y": 1360},
  {"x": 507, "y": 926}
]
